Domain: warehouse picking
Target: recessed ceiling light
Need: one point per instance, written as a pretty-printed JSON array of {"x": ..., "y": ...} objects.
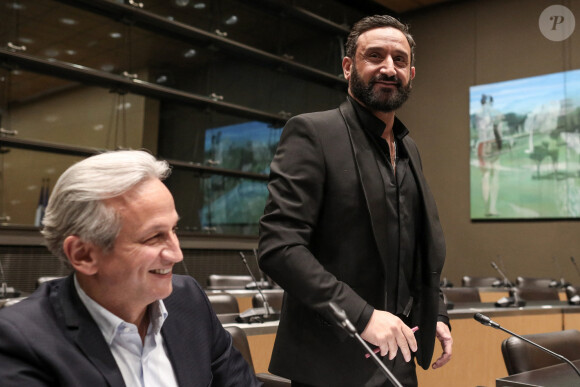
[
  {"x": 231, "y": 20},
  {"x": 181, "y": 3},
  {"x": 115, "y": 35},
  {"x": 16, "y": 5},
  {"x": 199, "y": 6},
  {"x": 68, "y": 21},
  {"x": 190, "y": 53}
]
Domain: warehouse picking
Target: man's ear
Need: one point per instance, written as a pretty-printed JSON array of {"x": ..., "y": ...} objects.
[
  {"x": 81, "y": 255},
  {"x": 346, "y": 67}
]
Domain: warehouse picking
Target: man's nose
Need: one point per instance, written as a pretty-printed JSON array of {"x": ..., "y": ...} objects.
[
  {"x": 388, "y": 67},
  {"x": 173, "y": 251}
]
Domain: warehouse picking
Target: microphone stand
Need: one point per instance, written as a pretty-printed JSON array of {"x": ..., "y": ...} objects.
[
  {"x": 345, "y": 323},
  {"x": 257, "y": 314},
  {"x": 514, "y": 299},
  {"x": 488, "y": 322}
]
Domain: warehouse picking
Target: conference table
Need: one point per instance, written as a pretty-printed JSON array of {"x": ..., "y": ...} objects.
[
  {"x": 477, "y": 358},
  {"x": 560, "y": 375}
]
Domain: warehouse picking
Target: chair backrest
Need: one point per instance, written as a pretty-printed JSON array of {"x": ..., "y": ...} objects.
[
  {"x": 227, "y": 281},
  {"x": 525, "y": 282},
  {"x": 469, "y": 281},
  {"x": 520, "y": 356},
  {"x": 240, "y": 342},
  {"x": 274, "y": 299},
  {"x": 223, "y": 303},
  {"x": 537, "y": 294},
  {"x": 463, "y": 294}
]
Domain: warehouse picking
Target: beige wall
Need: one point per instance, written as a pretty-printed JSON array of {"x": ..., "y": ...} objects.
[{"x": 479, "y": 42}]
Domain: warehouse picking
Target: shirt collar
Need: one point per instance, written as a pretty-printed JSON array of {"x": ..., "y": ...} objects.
[
  {"x": 109, "y": 323},
  {"x": 372, "y": 124}
]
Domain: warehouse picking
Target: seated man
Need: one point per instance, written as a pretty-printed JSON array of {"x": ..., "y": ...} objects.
[{"x": 121, "y": 318}]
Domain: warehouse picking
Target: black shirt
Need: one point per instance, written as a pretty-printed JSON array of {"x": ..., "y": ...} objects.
[{"x": 404, "y": 213}]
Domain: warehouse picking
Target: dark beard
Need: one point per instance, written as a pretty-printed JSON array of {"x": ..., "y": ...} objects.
[{"x": 382, "y": 101}]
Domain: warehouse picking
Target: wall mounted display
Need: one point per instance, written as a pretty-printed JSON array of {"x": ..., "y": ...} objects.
[{"x": 525, "y": 148}]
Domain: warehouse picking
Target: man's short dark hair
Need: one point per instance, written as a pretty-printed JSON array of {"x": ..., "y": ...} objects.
[{"x": 377, "y": 21}]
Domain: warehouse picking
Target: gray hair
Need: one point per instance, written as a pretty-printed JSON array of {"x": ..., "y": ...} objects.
[
  {"x": 76, "y": 205},
  {"x": 377, "y": 21}
]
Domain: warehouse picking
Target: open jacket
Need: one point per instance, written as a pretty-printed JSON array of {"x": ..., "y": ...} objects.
[{"x": 321, "y": 239}]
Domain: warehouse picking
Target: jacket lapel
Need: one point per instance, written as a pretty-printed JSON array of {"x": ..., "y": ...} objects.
[
  {"x": 370, "y": 176},
  {"x": 83, "y": 331}
]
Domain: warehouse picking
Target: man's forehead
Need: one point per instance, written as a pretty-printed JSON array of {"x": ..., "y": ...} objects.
[{"x": 383, "y": 35}]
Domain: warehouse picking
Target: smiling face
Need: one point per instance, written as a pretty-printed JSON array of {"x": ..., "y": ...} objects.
[
  {"x": 380, "y": 74},
  {"x": 138, "y": 270}
]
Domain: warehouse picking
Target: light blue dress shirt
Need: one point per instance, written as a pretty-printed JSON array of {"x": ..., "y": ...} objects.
[{"x": 141, "y": 364}]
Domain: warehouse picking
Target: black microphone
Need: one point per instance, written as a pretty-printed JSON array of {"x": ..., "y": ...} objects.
[
  {"x": 264, "y": 282},
  {"x": 487, "y": 321},
  {"x": 345, "y": 323},
  {"x": 251, "y": 315},
  {"x": 514, "y": 299}
]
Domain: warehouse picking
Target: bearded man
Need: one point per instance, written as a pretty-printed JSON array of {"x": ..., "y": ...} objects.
[{"x": 350, "y": 219}]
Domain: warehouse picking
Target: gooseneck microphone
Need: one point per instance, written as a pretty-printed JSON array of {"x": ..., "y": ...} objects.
[
  {"x": 257, "y": 314},
  {"x": 514, "y": 299},
  {"x": 483, "y": 319},
  {"x": 575, "y": 265},
  {"x": 506, "y": 281},
  {"x": 345, "y": 323}
]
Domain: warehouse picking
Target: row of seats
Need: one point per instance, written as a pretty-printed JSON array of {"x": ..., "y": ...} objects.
[
  {"x": 522, "y": 282},
  {"x": 471, "y": 295}
]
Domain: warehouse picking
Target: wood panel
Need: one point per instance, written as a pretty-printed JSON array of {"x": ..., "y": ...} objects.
[{"x": 477, "y": 358}]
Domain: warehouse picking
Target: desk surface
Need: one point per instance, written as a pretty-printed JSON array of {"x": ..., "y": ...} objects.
[{"x": 561, "y": 375}]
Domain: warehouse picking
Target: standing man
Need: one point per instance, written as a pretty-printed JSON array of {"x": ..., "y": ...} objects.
[
  {"x": 350, "y": 219},
  {"x": 121, "y": 318}
]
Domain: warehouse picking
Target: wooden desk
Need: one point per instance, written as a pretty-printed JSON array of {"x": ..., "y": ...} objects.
[
  {"x": 561, "y": 375},
  {"x": 477, "y": 358}
]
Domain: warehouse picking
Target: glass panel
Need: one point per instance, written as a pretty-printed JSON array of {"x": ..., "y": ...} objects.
[
  {"x": 217, "y": 140},
  {"x": 217, "y": 204},
  {"x": 23, "y": 174},
  {"x": 49, "y": 109}
]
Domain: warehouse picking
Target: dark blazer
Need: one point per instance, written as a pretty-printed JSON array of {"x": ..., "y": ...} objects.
[
  {"x": 50, "y": 339},
  {"x": 321, "y": 239}
]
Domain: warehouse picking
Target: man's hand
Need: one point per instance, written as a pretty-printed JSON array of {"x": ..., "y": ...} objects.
[
  {"x": 444, "y": 336},
  {"x": 389, "y": 333}
]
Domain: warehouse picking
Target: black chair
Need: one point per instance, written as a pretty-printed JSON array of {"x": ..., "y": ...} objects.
[
  {"x": 223, "y": 303},
  {"x": 526, "y": 282},
  {"x": 274, "y": 300},
  {"x": 227, "y": 281},
  {"x": 480, "y": 282},
  {"x": 240, "y": 342},
  {"x": 520, "y": 356},
  {"x": 537, "y": 293},
  {"x": 461, "y": 295}
]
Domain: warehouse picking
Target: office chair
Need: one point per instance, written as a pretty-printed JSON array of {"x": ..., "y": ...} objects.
[
  {"x": 526, "y": 282},
  {"x": 274, "y": 300},
  {"x": 482, "y": 282},
  {"x": 223, "y": 303},
  {"x": 240, "y": 342},
  {"x": 227, "y": 281},
  {"x": 461, "y": 295},
  {"x": 537, "y": 293},
  {"x": 520, "y": 356}
]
